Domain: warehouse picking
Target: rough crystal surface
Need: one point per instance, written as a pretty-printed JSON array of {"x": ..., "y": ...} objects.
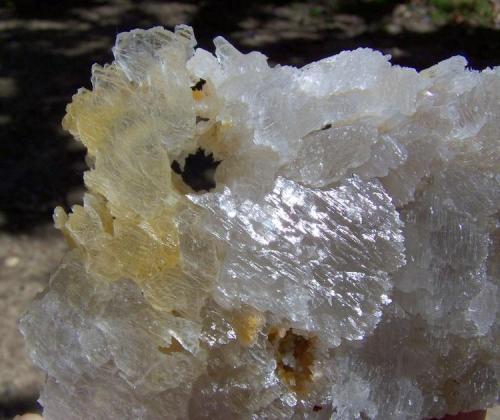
[{"x": 346, "y": 263}]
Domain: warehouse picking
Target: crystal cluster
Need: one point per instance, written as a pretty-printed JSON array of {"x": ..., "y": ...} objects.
[{"x": 275, "y": 242}]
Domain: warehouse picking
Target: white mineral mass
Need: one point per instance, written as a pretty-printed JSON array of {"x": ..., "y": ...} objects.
[{"x": 266, "y": 242}]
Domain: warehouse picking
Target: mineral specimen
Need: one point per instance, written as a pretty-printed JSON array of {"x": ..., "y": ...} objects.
[{"x": 275, "y": 242}]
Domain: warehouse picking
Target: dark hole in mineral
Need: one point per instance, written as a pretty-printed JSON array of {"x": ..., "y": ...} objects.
[
  {"x": 317, "y": 408},
  {"x": 201, "y": 119},
  {"x": 199, "y": 170},
  {"x": 199, "y": 84}
]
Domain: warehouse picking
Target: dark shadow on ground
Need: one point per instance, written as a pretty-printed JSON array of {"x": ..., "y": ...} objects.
[
  {"x": 480, "y": 46},
  {"x": 48, "y": 57},
  {"x": 15, "y": 406},
  {"x": 40, "y": 164}
]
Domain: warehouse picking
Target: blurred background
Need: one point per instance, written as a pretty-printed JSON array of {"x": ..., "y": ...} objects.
[{"x": 47, "y": 48}]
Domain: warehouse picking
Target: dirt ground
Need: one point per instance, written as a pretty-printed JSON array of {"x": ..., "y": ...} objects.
[{"x": 46, "y": 51}]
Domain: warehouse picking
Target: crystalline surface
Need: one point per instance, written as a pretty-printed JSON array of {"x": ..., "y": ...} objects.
[{"x": 337, "y": 255}]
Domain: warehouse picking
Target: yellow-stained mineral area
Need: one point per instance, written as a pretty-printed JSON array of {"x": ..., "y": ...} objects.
[
  {"x": 134, "y": 129},
  {"x": 92, "y": 114},
  {"x": 247, "y": 323},
  {"x": 126, "y": 228},
  {"x": 294, "y": 357}
]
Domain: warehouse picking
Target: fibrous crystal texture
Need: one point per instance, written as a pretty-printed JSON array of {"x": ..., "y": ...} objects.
[{"x": 275, "y": 242}]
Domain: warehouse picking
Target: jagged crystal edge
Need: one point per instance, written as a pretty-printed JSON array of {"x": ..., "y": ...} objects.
[{"x": 346, "y": 263}]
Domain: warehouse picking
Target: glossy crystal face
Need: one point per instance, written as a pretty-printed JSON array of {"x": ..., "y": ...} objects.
[{"x": 275, "y": 242}]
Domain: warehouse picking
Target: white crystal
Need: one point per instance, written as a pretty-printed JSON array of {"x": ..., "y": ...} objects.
[{"x": 345, "y": 265}]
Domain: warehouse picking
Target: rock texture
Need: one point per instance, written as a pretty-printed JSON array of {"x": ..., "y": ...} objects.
[{"x": 263, "y": 242}]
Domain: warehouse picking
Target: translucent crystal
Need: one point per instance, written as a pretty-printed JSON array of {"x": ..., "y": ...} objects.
[{"x": 274, "y": 242}]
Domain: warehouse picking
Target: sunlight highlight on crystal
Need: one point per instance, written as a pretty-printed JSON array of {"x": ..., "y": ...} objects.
[{"x": 275, "y": 242}]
